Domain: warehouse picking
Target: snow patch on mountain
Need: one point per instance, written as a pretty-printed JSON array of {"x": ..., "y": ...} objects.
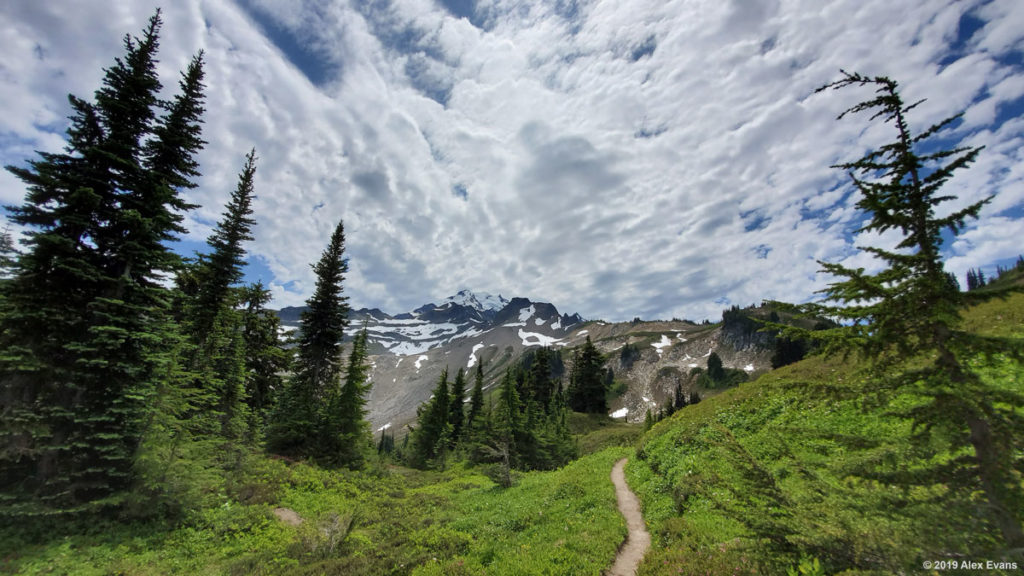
[
  {"x": 420, "y": 361},
  {"x": 472, "y": 355},
  {"x": 661, "y": 344},
  {"x": 526, "y": 313},
  {"x": 538, "y": 339}
]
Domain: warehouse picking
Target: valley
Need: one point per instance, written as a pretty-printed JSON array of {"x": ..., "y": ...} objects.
[{"x": 408, "y": 351}]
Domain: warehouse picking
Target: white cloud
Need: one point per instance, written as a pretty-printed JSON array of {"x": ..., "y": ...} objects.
[{"x": 611, "y": 157}]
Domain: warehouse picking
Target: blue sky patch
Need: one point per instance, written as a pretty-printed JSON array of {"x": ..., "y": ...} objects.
[{"x": 312, "y": 65}]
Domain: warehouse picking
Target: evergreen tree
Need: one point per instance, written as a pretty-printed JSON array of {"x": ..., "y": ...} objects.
[
  {"x": 431, "y": 438},
  {"x": 266, "y": 357},
  {"x": 789, "y": 351},
  {"x": 386, "y": 445},
  {"x": 506, "y": 427},
  {"x": 213, "y": 320},
  {"x": 678, "y": 398},
  {"x": 905, "y": 319},
  {"x": 542, "y": 385},
  {"x": 318, "y": 363},
  {"x": 456, "y": 413},
  {"x": 587, "y": 381},
  {"x": 716, "y": 372},
  {"x": 84, "y": 325},
  {"x": 222, "y": 269},
  {"x": 345, "y": 429},
  {"x": 476, "y": 399},
  {"x": 8, "y": 255}
]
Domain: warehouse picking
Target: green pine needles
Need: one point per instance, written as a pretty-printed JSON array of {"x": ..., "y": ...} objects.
[
  {"x": 84, "y": 326},
  {"x": 317, "y": 416},
  {"x": 905, "y": 319}
]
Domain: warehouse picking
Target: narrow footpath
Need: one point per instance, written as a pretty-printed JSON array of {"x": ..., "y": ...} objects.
[{"x": 638, "y": 540}]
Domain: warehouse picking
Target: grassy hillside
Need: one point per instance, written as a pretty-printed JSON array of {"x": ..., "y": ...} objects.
[
  {"x": 804, "y": 464},
  {"x": 389, "y": 521}
]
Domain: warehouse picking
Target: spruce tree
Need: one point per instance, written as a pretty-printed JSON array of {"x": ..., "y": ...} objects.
[
  {"x": 476, "y": 399},
  {"x": 540, "y": 377},
  {"x": 266, "y": 357},
  {"x": 905, "y": 319},
  {"x": 214, "y": 322},
  {"x": 84, "y": 325},
  {"x": 318, "y": 362},
  {"x": 345, "y": 431},
  {"x": 456, "y": 411},
  {"x": 431, "y": 438},
  {"x": 587, "y": 382},
  {"x": 506, "y": 427},
  {"x": 716, "y": 372},
  {"x": 8, "y": 255},
  {"x": 222, "y": 269}
]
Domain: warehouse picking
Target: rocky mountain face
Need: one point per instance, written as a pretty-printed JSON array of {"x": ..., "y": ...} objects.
[{"x": 410, "y": 350}]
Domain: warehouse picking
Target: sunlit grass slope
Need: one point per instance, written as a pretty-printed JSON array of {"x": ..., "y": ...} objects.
[
  {"x": 803, "y": 463},
  {"x": 388, "y": 521}
]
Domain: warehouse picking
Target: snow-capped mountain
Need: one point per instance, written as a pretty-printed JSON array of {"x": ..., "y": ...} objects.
[
  {"x": 409, "y": 351},
  {"x": 463, "y": 315},
  {"x": 482, "y": 301}
]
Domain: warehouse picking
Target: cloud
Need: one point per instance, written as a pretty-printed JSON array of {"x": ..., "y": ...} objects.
[{"x": 618, "y": 160}]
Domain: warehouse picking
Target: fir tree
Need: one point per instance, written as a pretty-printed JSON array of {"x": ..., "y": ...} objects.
[
  {"x": 85, "y": 322},
  {"x": 906, "y": 318},
  {"x": 318, "y": 363},
  {"x": 266, "y": 357},
  {"x": 716, "y": 372},
  {"x": 587, "y": 381},
  {"x": 678, "y": 398},
  {"x": 222, "y": 269},
  {"x": 540, "y": 389},
  {"x": 431, "y": 438},
  {"x": 506, "y": 427},
  {"x": 8, "y": 254},
  {"x": 476, "y": 399},
  {"x": 456, "y": 413},
  {"x": 346, "y": 431},
  {"x": 213, "y": 320}
]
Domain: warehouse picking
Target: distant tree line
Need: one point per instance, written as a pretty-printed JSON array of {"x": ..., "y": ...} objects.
[
  {"x": 976, "y": 277},
  {"x": 523, "y": 423}
]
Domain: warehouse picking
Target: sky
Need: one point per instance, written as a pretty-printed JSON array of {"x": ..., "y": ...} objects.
[{"x": 655, "y": 158}]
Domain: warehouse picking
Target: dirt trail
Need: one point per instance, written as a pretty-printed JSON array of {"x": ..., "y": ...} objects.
[{"x": 638, "y": 540}]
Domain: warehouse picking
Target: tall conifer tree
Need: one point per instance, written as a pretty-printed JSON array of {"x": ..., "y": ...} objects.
[
  {"x": 906, "y": 318},
  {"x": 318, "y": 363},
  {"x": 456, "y": 410},
  {"x": 266, "y": 357},
  {"x": 476, "y": 398},
  {"x": 84, "y": 326},
  {"x": 431, "y": 438},
  {"x": 214, "y": 321},
  {"x": 345, "y": 429}
]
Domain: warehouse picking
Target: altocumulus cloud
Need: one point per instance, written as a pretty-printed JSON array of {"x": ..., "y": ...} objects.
[{"x": 620, "y": 159}]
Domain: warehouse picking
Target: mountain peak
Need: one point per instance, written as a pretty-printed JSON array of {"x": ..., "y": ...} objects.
[{"x": 478, "y": 300}]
